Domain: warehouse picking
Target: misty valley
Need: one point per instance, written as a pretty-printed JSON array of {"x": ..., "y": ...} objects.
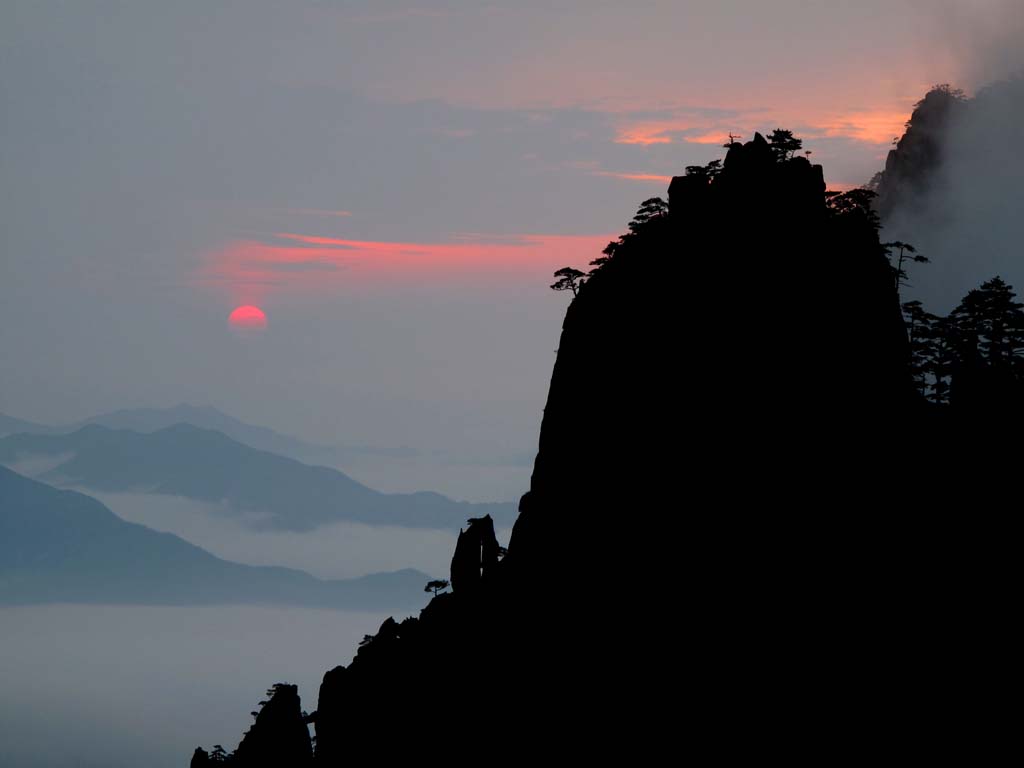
[{"x": 125, "y": 575}]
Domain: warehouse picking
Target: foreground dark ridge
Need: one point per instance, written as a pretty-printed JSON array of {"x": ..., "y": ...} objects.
[{"x": 746, "y": 533}]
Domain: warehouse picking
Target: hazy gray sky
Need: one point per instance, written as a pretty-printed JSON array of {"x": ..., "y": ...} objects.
[{"x": 393, "y": 184}]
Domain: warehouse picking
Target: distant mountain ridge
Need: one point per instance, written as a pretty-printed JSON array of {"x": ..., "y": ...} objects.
[
  {"x": 10, "y": 425},
  {"x": 206, "y": 465},
  {"x": 64, "y": 546},
  {"x": 207, "y": 417}
]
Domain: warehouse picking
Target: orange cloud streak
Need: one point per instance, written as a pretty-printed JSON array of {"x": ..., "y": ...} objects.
[
  {"x": 249, "y": 270},
  {"x": 874, "y": 126},
  {"x": 878, "y": 126},
  {"x": 635, "y": 176}
]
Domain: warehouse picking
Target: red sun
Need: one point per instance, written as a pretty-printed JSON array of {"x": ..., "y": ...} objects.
[{"x": 248, "y": 317}]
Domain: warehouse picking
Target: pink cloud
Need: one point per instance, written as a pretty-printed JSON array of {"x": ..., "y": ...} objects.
[
  {"x": 318, "y": 212},
  {"x": 873, "y": 125},
  {"x": 642, "y": 134},
  {"x": 248, "y": 270},
  {"x": 635, "y": 176},
  {"x": 711, "y": 137}
]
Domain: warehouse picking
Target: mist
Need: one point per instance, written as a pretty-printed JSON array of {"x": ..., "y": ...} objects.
[
  {"x": 111, "y": 686},
  {"x": 984, "y": 37},
  {"x": 335, "y": 551},
  {"x": 968, "y": 222}
]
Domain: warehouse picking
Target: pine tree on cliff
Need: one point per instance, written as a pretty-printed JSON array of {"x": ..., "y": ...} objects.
[
  {"x": 651, "y": 213},
  {"x": 650, "y": 209},
  {"x": 709, "y": 171},
  {"x": 922, "y": 340},
  {"x": 1004, "y": 334},
  {"x": 219, "y": 755},
  {"x": 857, "y": 203},
  {"x": 435, "y": 586},
  {"x": 569, "y": 279},
  {"x": 784, "y": 145},
  {"x": 991, "y": 314},
  {"x": 941, "y": 358},
  {"x": 907, "y": 253}
]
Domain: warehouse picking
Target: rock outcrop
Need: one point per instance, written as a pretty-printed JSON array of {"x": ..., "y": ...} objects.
[
  {"x": 708, "y": 559},
  {"x": 280, "y": 736},
  {"x": 476, "y": 554},
  {"x": 911, "y": 165},
  {"x": 699, "y": 408}
]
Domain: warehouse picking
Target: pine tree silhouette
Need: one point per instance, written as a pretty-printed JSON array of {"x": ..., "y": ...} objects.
[
  {"x": 921, "y": 337},
  {"x": 997, "y": 320}
]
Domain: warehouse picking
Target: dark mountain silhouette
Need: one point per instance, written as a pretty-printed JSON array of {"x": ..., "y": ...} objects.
[
  {"x": 201, "y": 464},
  {"x": 279, "y": 736},
  {"x": 63, "y": 546},
  {"x": 747, "y": 532}
]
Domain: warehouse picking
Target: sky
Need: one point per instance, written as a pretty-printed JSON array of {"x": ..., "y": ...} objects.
[{"x": 393, "y": 184}]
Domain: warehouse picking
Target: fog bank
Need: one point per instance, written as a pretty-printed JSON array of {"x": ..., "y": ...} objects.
[
  {"x": 112, "y": 686},
  {"x": 336, "y": 551}
]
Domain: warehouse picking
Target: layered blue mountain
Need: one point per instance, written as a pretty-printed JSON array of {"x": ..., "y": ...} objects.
[
  {"x": 64, "y": 546},
  {"x": 207, "y": 417},
  {"x": 11, "y": 425},
  {"x": 201, "y": 464}
]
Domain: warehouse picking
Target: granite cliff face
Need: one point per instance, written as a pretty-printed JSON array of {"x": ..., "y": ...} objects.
[
  {"x": 911, "y": 165},
  {"x": 951, "y": 187},
  {"x": 708, "y": 557}
]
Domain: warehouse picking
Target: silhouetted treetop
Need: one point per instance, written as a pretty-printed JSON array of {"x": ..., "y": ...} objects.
[
  {"x": 992, "y": 314},
  {"x": 651, "y": 213},
  {"x": 857, "y": 203},
  {"x": 943, "y": 93},
  {"x": 435, "y": 586},
  {"x": 903, "y": 253},
  {"x": 784, "y": 145},
  {"x": 709, "y": 171},
  {"x": 649, "y": 209},
  {"x": 569, "y": 279}
]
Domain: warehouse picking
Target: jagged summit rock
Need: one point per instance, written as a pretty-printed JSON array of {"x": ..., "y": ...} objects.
[
  {"x": 279, "y": 738},
  {"x": 476, "y": 554}
]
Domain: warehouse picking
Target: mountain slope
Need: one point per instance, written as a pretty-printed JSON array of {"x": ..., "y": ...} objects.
[
  {"x": 63, "y": 546},
  {"x": 207, "y": 417},
  {"x": 9, "y": 425},
  {"x": 208, "y": 466}
]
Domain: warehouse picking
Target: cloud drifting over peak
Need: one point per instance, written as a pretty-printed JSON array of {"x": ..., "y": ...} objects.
[{"x": 984, "y": 38}]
